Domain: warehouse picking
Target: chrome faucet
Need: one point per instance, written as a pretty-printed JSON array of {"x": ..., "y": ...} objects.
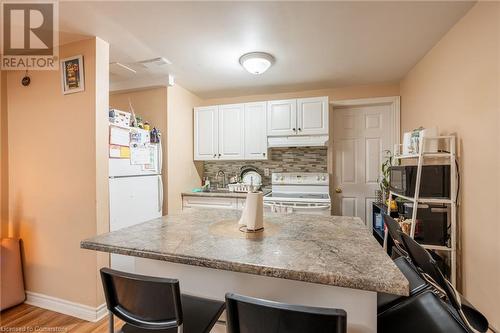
[{"x": 222, "y": 174}]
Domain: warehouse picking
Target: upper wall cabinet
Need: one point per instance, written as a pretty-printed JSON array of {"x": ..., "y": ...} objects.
[
  {"x": 312, "y": 116},
  {"x": 282, "y": 117},
  {"x": 232, "y": 132},
  {"x": 245, "y": 131},
  {"x": 304, "y": 116},
  {"x": 206, "y": 121},
  {"x": 255, "y": 131}
]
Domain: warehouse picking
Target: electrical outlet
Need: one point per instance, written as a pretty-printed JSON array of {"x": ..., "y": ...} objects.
[{"x": 266, "y": 172}]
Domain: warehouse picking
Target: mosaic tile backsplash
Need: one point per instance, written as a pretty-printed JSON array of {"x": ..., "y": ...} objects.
[{"x": 298, "y": 159}]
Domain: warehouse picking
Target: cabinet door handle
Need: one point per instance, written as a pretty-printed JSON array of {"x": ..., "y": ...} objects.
[
  {"x": 215, "y": 155},
  {"x": 220, "y": 155},
  {"x": 300, "y": 129},
  {"x": 293, "y": 129},
  {"x": 263, "y": 154}
]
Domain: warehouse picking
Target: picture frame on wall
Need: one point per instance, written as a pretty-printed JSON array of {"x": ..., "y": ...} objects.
[{"x": 72, "y": 75}]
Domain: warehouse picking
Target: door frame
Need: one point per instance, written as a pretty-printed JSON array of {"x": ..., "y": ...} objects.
[{"x": 393, "y": 101}]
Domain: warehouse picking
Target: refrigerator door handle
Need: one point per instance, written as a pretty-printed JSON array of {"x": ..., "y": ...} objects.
[
  {"x": 160, "y": 191},
  {"x": 160, "y": 157}
]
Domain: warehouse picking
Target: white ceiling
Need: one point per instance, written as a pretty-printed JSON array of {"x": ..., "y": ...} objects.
[{"x": 316, "y": 44}]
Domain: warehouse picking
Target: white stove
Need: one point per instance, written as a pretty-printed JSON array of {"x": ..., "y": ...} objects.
[{"x": 305, "y": 192}]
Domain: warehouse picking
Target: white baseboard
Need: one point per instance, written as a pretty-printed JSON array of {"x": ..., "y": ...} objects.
[{"x": 77, "y": 310}]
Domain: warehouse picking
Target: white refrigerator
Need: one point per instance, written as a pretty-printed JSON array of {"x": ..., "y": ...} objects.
[{"x": 135, "y": 196}]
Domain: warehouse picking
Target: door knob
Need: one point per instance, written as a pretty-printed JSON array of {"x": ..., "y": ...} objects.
[{"x": 338, "y": 190}]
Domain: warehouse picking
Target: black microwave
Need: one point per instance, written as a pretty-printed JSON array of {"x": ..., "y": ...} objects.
[{"x": 434, "y": 181}]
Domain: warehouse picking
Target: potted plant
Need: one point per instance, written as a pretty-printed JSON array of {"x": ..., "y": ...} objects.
[{"x": 384, "y": 178}]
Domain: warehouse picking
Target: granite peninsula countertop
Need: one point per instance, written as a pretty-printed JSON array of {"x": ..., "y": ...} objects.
[
  {"x": 221, "y": 194},
  {"x": 331, "y": 250}
]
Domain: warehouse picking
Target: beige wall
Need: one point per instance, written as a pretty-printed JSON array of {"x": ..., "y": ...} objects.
[
  {"x": 151, "y": 104},
  {"x": 456, "y": 87},
  {"x": 376, "y": 90},
  {"x": 4, "y": 180},
  {"x": 183, "y": 173},
  {"x": 58, "y": 175}
]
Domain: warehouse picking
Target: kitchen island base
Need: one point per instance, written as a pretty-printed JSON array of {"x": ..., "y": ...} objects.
[{"x": 360, "y": 305}]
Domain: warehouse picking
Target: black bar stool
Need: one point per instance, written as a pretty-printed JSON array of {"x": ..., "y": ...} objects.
[
  {"x": 472, "y": 319},
  {"x": 252, "y": 315},
  {"x": 402, "y": 261},
  {"x": 156, "y": 305}
]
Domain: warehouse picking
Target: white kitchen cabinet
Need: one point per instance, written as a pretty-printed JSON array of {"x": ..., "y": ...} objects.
[
  {"x": 255, "y": 131},
  {"x": 312, "y": 116},
  {"x": 209, "y": 202},
  {"x": 245, "y": 131},
  {"x": 206, "y": 133},
  {"x": 231, "y": 132},
  {"x": 282, "y": 117},
  {"x": 303, "y": 116}
]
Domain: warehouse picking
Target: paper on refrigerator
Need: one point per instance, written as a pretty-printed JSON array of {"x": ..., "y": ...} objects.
[
  {"x": 139, "y": 137},
  {"x": 153, "y": 157},
  {"x": 119, "y": 136},
  {"x": 140, "y": 155}
]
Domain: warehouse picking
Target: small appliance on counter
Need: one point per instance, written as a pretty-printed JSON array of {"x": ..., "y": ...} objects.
[{"x": 306, "y": 193}]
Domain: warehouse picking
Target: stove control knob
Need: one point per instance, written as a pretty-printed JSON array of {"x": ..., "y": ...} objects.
[
  {"x": 317, "y": 178},
  {"x": 281, "y": 178},
  {"x": 323, "y": 178}
]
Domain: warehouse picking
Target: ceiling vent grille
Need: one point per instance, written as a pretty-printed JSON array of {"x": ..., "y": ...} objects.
[{"x": 155, "y": 63}]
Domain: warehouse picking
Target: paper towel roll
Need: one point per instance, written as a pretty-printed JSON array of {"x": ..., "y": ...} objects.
[{"x": 253, "y": 213}]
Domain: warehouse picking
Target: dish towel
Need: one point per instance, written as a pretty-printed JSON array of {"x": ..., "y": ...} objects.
[{"x": 253, "y": 213}]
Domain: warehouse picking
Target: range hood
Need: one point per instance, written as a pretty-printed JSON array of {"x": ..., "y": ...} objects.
[{"x": 298, "y": 141}]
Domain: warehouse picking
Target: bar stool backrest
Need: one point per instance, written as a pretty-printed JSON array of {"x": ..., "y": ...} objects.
[
  {"x": 393, "y": 229},
  {"x": 424, "y": 261},
  {"x": 143, "y": 301},
  {"x": 473, "y": 319},
  {"x": 250, "y": 315}
]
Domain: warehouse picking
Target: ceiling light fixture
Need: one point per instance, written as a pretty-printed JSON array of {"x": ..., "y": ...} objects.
[{"x": 256, "y": 62}]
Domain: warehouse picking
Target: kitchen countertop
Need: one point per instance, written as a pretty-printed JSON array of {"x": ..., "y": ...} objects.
[
  {"x": 221, "y": 194},
  {"x": 330, "y": 250}
]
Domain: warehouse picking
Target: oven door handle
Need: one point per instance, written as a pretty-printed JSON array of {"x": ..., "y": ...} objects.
[{"x": 293, "y": 205}]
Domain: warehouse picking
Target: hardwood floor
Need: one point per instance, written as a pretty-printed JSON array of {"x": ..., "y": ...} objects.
[{"x": 27, "y": 318}]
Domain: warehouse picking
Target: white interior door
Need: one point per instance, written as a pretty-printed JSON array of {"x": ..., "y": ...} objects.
[
  {"x": 360, "y": 135},
  {"x": 206, "y": 133},
  {"x": 255, "y": 131},
  {"x": 232, "y": 132}
]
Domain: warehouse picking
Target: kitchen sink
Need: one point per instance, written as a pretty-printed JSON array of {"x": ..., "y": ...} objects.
[{"x": 218, "y": 190}]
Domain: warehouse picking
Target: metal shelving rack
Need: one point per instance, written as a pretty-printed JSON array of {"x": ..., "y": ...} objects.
[{"x": 452, "y": 201}]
